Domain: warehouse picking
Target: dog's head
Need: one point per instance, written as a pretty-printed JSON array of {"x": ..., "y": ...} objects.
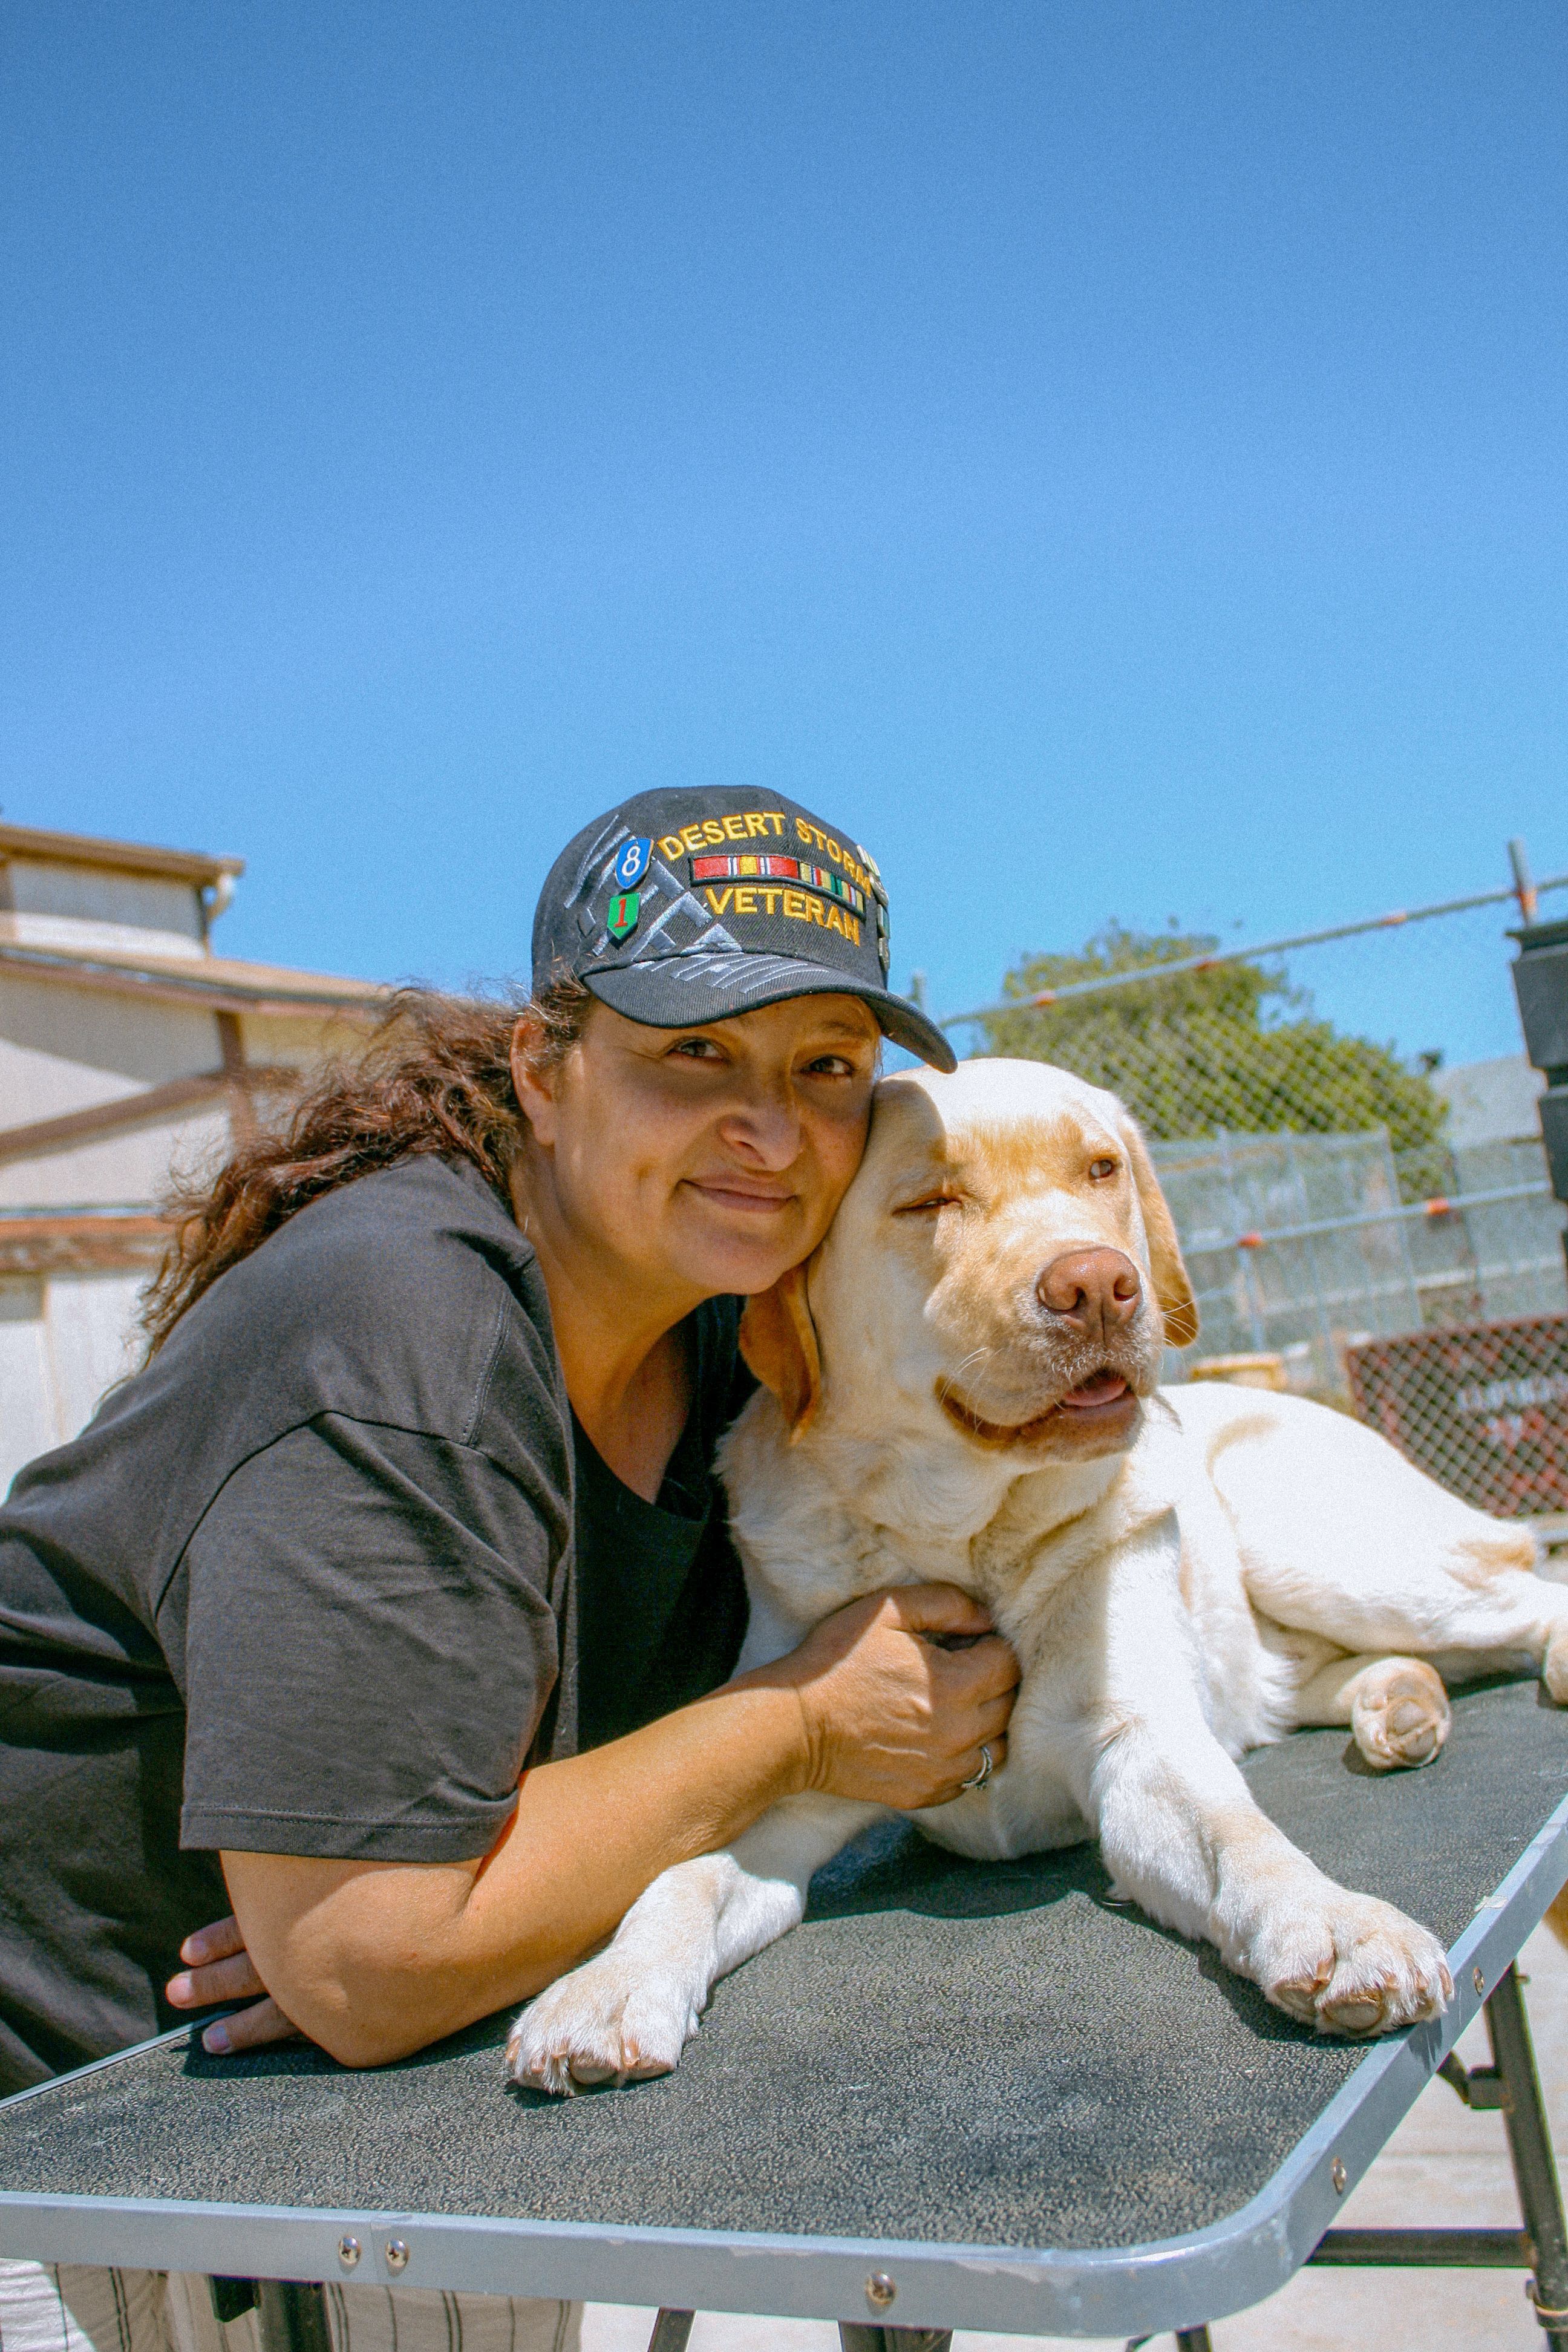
[{"x": 1003, "y": 1265}]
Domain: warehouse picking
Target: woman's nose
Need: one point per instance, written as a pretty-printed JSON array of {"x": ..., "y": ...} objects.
[{"x": 768, "y": 1125}]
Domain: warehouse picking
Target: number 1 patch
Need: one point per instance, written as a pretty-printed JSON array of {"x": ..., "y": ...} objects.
[{"x": 622, "y": 919}]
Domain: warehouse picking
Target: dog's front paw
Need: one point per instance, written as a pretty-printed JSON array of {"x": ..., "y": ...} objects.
[
  {"x": 1349, "y": 1964},
  {"x": 611, "y": 2020}
]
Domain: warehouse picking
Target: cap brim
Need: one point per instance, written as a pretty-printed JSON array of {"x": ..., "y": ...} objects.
[{"x": 678, "y": 991}]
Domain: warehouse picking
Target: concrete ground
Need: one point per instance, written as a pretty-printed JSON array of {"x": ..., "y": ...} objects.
[{"x": 1444, "y": 2166}]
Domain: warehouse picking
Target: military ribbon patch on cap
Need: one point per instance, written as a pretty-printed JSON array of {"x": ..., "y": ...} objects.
[
  {"x": 769, "y": 868},
  {"x": 622, "y": 919},
  {"x": 632, "y": 863}
]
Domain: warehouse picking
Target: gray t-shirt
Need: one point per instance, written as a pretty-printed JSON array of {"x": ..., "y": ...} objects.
[{"x": 308, "y": 1584}]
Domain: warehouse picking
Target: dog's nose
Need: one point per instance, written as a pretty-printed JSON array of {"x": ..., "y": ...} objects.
[{"x": 1095, "y": 1290}]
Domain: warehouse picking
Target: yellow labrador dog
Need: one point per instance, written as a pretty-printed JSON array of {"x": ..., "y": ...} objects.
[{"x": 962, "y": 1385}]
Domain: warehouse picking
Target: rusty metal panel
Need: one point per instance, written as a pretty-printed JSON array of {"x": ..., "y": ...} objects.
[{"x": 1480, "y": 1407}]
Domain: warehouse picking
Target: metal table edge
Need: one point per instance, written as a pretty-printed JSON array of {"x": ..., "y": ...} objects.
[
  {"x": 1121, "y": 2291},
  {"x": 101, "y": 2065}
]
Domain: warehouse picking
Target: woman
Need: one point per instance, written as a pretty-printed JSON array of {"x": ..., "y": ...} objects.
[{"x": 390, "y": 1607}]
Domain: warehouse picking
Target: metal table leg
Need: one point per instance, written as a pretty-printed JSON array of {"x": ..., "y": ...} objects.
[
  {"x": 670, "y": 2330},
  {"x": 1511, "y": 2086},
  {"x": 1530, "y": 2146},
  {"x": 231, "y": 2297},
  {"x": 855, "y": 2338},
  {"x": 292, "y": 2317}
]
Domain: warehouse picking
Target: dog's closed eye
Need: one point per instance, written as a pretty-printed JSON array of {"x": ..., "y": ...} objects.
[{"x": 928, "y": 1205}]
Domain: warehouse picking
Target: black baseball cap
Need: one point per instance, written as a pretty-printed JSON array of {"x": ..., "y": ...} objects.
[{"x": 684, "y": 907}]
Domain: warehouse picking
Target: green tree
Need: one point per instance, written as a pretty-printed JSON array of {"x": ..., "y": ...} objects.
[{"x": 1233, "y": 1047}]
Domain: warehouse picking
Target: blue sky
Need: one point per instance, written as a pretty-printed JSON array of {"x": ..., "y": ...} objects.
[{"x": 1108, "y": 457}]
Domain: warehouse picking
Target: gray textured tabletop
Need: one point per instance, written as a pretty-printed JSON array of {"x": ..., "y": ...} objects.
[{"x": 945, "y": 2053}]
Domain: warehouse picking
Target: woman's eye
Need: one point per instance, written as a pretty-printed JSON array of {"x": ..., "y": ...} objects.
[
  {"x": 1100, "y": 1169},
  {"x": 696, "y": 1049},
  {"x": 830, "y": 1065}
]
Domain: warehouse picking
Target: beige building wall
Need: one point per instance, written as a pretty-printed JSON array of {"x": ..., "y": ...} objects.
[
  {"x": 64, "y": 1341},
  {"x": 110, "y": 1000}
]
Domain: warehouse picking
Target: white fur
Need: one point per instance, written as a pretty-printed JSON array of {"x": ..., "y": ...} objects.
[{"x": 1241, "y": 1564}]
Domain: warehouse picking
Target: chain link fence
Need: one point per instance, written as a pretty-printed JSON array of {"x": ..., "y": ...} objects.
[
  {"x": 1483, "y": 1408},
  {"x": 1358, "y": 1228},
  {"x": 1305, "y": 1245}
]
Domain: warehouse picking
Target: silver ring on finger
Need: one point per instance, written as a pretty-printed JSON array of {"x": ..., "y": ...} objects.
[{"x": 978, "y": 1779}]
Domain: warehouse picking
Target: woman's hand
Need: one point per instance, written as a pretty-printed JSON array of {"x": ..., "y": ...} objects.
[
  {"x": 894, "y": 1713},
  {"x": 218, "y": 1968}
]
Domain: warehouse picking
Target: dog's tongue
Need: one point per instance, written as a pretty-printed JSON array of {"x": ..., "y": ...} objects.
[{"x": 1104, "y": 1388}]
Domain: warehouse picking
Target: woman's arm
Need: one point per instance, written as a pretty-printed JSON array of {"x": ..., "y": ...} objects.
[{"x": 376, "y": 1959}]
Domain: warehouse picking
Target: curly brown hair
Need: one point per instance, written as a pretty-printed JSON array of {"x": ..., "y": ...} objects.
[{"x": 435, "y": 1077}]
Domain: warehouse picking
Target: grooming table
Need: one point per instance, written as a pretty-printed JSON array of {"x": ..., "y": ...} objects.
[{"x": 960, "y": 2095}]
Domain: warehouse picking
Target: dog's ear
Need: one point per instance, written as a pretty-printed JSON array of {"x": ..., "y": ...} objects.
[
  {"x": 1172, "y": 1287},
  {"x": 778, "y": 1340}
]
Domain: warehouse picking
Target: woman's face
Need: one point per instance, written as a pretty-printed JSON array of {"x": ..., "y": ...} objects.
[{"x": 703, "y": 1160}]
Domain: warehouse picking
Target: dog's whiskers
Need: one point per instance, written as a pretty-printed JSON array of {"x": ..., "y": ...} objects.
[{"x": 948, "y": 1384}]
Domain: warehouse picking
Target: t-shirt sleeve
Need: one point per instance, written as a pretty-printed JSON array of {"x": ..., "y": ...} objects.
[{"x": 369, "y": 1646}]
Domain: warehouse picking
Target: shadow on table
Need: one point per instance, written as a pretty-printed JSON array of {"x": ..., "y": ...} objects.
[
  {"x": 891, "y": 1867},
  {"x": 286, "y": 2060}
]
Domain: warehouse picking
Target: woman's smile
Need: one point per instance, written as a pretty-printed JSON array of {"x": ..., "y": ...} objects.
[{"x": 753, "y": 1196}]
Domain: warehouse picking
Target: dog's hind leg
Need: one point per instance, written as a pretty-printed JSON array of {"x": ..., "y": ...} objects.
[
  {"x": 1468, "y": 1608},
  {"x": 1340, "y": 1536},
  {"x": 1396, "y": 1708}
]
